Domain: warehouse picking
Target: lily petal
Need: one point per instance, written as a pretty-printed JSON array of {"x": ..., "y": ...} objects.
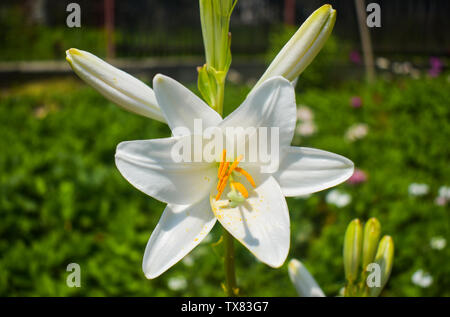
[
  {"x": 121, "y": 88},
  {"x": 271, "y": 105},
  {"x": 305, "y": 170},
  {"x": 181, "y": 106},
  {"x": 149, "y": 166},
  {"x": 180, "y": 229},
  {"x": 261, "y": 223},
  {"x": 304, "y": 282}
]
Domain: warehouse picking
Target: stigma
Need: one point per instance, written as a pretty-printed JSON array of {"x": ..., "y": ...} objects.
[{"x": 226, "y": 173}]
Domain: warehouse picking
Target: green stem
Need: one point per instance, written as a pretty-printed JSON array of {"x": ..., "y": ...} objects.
[
  {"x": 220, "y": 97},
  {"x": 230, "y": 274}
]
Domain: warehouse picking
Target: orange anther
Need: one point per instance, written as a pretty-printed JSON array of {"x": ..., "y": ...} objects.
[
  {"x": 224, "y": 173},
  {"x": 221, "y": 189},
  {"x": 241, "y": 188},
  {"x": 224, "y": 170},
  {"x": 222, "y": 163},
  {"x": 246, "y": 175}
]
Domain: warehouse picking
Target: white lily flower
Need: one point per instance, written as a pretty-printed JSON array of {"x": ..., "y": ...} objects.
[
  {"x": 303, "y": 47},
  {"x": 116, "y": 85},
  {"x": 304, "y": 282},
  {"x": 197, "y": 193}
]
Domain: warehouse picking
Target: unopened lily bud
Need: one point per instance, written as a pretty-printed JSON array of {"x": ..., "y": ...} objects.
[
  {"x": 384, "y": 258},
  {"x": 372, "y": 232},
  {"x": 121, "y": 88},
  {"x": 215, "y": 19},
  {"x": 301, "y": 49},
  {"x": 352, "y": 250},
  {"x": 304, "y": 282}
]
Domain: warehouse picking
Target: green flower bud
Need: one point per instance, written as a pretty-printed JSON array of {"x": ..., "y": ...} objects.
[
  {"x": 352, "y": 250},
  {"x": 384, "y": 258},
  {"x": 372, "y": 232},
  {"x": 303, "y": 47},
  {"x": 215, "y": 20}
]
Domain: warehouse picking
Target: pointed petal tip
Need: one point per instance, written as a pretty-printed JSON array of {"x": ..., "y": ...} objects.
[
  {"x": 74, "y": 51},
  {"x": 69, "y": 53},
  {"x": 149, "y": 274},
  {"x": 327, "y": 7},
  {"x": 278, "y": 264},
  {"x": 293, "y": 265},
  {"x": 159, "y": 79}
]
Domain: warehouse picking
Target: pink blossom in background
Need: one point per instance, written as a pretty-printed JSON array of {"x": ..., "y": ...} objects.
[
  {"x": 436, "y": 66},
  {"x": 355, "y": 57},
  {"x": 356, "y": 102},
  {"x": 304, "y": 113},
  {"x": 434, "y": 72},
  {"x": 358, "y": 177},
  {"x": 435, "y": 62}
]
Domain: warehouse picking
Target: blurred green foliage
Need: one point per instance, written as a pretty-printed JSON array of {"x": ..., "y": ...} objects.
[
  {"x": 22, "y": 41},
  {"x": 62, "y": 199}
]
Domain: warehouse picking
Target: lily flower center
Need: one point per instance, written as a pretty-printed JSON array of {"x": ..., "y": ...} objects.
[{"x": 225, "y": 173}]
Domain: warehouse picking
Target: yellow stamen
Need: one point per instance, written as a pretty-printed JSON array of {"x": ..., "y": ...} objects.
[
  {"x": 235, "y": 164},
  {"x": 239, "y": 187},
  {"x": 246, "y": 175},
  {"x": 222, "y": 163},
  {"x": 224, "y": 174}
]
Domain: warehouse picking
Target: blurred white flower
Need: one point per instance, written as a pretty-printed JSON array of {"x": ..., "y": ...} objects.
[
  {"x": 304, "y": 113},
  {"x": 306, "y": 125},
  {"x": 382, "y": 63},
  {"x": 177, "y": 283},
  {"x": 402, "y": 68},
  {"x": 304, "y": 282},
  {"x": 416, "y": 189},
  {"x": 444, "y": 191},
  {"x": 306, "y": 128},
  {"x": 422, "y": 278},
  {"x": 338, "y": 198},
  {"x": 438, "y": 243},
  {"x": 357, "y": 131}
]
